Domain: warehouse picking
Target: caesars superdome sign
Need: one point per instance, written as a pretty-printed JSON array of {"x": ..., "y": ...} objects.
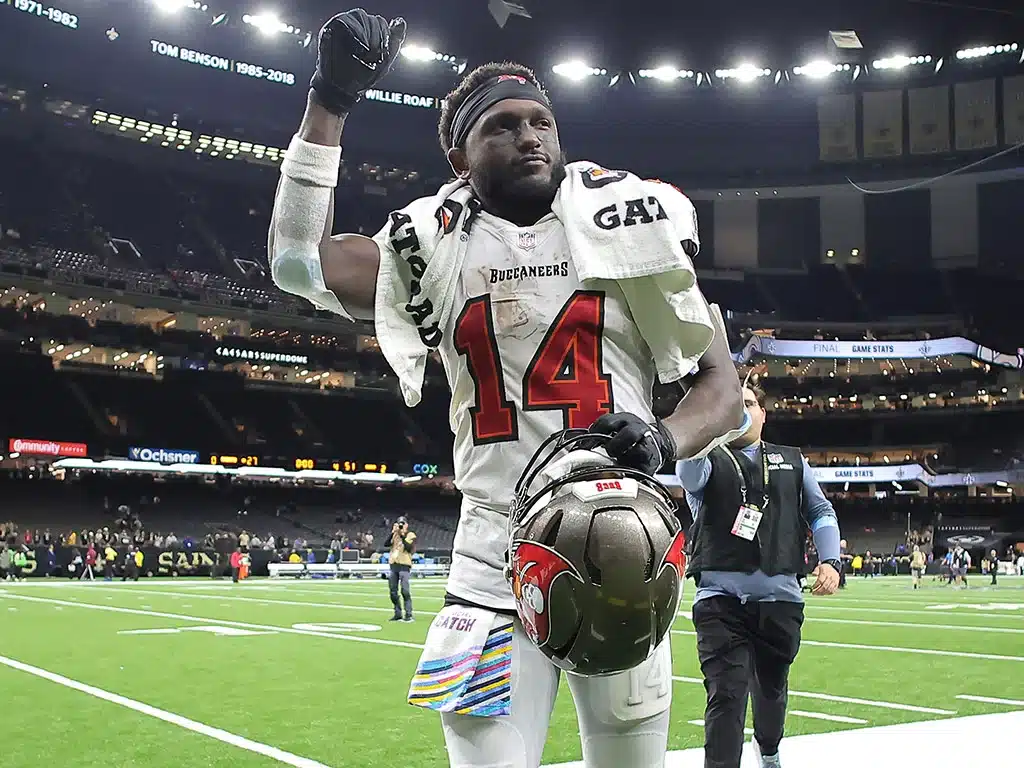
[{"x": 163, "y": 455}]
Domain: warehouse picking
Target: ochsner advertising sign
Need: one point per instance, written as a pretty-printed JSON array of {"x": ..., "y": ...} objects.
[
  {"x": 46, "y": 448},
  {"x": 163, "y": 455}
]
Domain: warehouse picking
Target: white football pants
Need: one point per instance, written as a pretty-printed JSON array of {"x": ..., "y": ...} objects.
[{"x": 623, "y": 718}]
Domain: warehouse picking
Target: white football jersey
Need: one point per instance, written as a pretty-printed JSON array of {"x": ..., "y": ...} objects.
[{"x": 529, "y": 350}]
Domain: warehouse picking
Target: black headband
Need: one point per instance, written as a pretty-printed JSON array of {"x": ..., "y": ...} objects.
[{"x": 486, "y": 96}]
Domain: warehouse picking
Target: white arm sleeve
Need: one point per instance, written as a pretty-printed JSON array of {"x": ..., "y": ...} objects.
[{"x": 309, "y": 173}]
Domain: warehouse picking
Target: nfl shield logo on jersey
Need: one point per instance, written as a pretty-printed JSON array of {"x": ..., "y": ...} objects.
[{"x": 527, "y": 240}]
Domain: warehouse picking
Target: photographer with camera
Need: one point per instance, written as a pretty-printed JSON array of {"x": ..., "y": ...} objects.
[{"x": 403, "y": 544}]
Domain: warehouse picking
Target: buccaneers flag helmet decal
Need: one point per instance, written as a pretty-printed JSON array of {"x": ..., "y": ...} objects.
[
  {"x": 676, "y": 556},
  {"x": 535, "y": 568}
]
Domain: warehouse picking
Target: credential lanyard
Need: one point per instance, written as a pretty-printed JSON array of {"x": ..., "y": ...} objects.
[{"x": 743, "y": 482}]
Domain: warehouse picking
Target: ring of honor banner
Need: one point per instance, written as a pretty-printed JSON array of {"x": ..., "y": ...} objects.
[
  {"x": 929, "y": 120},
  {"x": 883, "y": 123},
  {"x": 837, "y": 127},
  {"x": 766, "y": 346},
  {"x": 974, "y": 106},
  {"x": 1013, "y": 110}
]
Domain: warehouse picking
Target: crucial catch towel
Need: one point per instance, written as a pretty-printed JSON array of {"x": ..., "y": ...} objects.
[{"x": 466, "y": 665}]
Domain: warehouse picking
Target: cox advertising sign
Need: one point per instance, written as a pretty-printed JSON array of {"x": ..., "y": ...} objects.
[
  {"x": 163, "y": 455},
  {"x": 425, "y": 468},
  {"x": 29, "y": 447}
]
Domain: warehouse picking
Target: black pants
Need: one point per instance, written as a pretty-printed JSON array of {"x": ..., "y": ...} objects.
[
  {"x": 399, "y": 575},
  {"x": 745, "y": 649}
]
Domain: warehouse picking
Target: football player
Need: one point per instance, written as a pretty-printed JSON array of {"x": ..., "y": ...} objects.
[{"x": 527, "y": 352}]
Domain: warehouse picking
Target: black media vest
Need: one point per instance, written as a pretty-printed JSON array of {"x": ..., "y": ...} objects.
[{"x": 779, "y": 545}]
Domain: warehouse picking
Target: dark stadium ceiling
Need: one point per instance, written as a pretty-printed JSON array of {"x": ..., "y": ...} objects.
[{"x": 618, "y": 34}]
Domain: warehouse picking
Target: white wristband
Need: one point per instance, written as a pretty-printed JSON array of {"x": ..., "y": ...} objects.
[{"x": 315, "y": 164}]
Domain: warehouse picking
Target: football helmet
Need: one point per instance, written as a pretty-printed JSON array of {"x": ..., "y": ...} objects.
[{"x": 595, "y": 557}]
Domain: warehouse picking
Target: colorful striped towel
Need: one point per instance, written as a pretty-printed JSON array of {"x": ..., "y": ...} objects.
[{"x": 466, "y": 665}]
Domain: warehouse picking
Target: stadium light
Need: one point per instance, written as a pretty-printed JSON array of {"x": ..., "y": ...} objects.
[
  {"x": 667, "y": 74},
  {"x": 422, "y": 55},
  {"x": 172, "y": 6},
  {"x": 577, "y": 71},
  {"x": 269, "y": 24},
  {"x": 901, "y": 62},
  {"x": 819, "y": 70},
  {"x": 745, "y": 73},
  {"x": 984, "y": 51}
]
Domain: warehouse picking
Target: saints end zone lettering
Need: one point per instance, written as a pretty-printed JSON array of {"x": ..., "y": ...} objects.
[
  {"x": 33, "y": 562},
  {"x": 156, "y": 562},
  {"x": 181, "y": 561}
]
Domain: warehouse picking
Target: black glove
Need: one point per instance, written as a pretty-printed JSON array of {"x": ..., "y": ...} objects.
[
  {"x": 354, "y": 51},
  {"x": 635, "y": 443}
]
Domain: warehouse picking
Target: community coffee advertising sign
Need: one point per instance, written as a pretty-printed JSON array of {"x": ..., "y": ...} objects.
[{"x": 28, "y": 447}]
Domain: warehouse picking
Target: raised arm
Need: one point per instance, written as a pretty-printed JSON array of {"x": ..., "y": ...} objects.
[
  {"x": 355, "y": 50},
  {"x": 336, "y": 272}
]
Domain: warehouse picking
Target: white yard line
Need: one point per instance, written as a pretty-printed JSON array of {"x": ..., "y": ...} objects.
[
  {"x": 904, "y": 624},
  {"x": 925, "y": 596},
  {"x": 894, "y": 649},
  {"x": 917, "y": 625},
  {"x": 428, "y": 598},
  {"x": 401, "y": 644},
  {"x": 168, "y": 717},
  {"x": 260, "y": 600},
  {"x": 991, "y": 700},
  {"x": 206, "y": 620},
  {"x": 381, "y": 591},
  {"x": 843, "y": 699},
  {"x": 829, "y": 718},
  {"x": 900, "y": 612},
  {"x": 921, "y": 651},
  {"x": 379, "y": 609}
]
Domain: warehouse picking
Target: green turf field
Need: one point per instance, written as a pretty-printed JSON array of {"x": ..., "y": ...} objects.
[{"x": 312, "y": 673}]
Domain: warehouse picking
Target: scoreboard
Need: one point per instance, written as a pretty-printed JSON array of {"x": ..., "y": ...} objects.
[
  {"x": 230, "y": 460},
  {"x": 348, "y": 466}
]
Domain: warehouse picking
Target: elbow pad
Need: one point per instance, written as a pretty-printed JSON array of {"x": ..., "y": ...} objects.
[{"x": 295, "y": 268}]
